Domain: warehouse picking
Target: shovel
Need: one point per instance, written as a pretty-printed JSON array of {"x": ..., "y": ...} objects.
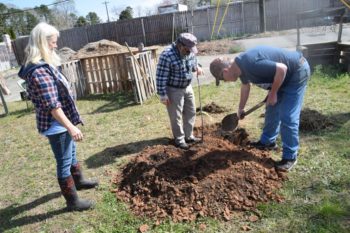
[
  {"x": 230, "y": 121},
  {"x": 200, "y": 106}
]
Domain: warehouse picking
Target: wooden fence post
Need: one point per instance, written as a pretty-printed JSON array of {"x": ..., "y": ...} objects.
[
  {"x": 208, "y": 20},
  {"x": 173, "y": 29},
  {"x": 143, "y": 32},
  {"x": 262, "y": 15},
  {"x": 243, "y": 17}
]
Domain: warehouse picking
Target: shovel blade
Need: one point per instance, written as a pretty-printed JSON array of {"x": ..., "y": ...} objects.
[{"x": 229, "y": 122}]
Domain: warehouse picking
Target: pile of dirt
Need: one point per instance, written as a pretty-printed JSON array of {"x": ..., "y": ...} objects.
[
  {"x": 218, "y": 47},
  {"x": 311, "y": 120},
  {"x": 101, "y": 47},
  {"x": 213, "y": 179},
  {"x": 212, "y": 108},
  {"x": 66, "y": 54}
]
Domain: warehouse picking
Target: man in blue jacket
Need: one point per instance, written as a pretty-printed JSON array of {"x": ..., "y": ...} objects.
[{"x": 285, "y": 75}]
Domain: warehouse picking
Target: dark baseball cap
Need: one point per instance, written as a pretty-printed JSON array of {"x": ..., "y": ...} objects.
[
  {"x": 217, "y": 66},
  {"x": 188, "y": 40}
]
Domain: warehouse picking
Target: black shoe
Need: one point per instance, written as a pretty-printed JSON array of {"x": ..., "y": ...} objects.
[
  {"x": 193, "y": 139},
  {"x": 182, "y": 145},
  {"x": 260, "y": 146},
  {"x": 285, "y": 164}
]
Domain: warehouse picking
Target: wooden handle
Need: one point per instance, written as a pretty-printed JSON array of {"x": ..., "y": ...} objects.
[{"x": 255, "y": 107}]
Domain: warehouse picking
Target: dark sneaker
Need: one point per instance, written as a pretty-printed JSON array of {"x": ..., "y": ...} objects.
[
  {"x": 260, "y": 146},
  {"x": 193, "y": 139},
  {"x": 182, "y": 145},
  {"x": 285, "y": 164}
]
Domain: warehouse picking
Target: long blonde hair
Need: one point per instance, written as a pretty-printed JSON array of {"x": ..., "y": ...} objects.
[{"x": 38, "y": 46}]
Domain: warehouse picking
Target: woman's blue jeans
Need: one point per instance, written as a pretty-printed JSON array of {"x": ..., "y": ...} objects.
[
  {"x": 284, "y": 116},
  {"x": 64, "y": 149}
]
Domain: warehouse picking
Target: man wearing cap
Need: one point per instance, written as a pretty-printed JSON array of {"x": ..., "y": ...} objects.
[
  {"x": 285, "y": 75},
  {"x": 174, "y": 75}
]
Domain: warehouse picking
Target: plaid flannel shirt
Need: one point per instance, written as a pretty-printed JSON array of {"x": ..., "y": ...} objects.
[
  {"x": 174, "y": 71},
  {"x": 48, "y": 90}
]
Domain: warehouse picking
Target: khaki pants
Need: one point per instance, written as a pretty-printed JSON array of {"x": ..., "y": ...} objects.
[
  {"x": 3, "y": 86},
  {"x": 182, "y": 112}
]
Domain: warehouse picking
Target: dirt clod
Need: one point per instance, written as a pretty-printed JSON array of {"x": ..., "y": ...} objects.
[
  {"x": 216, "y": 178},
  {"x": 212, "y": 108},
  {"x": 143, "y": 228}
]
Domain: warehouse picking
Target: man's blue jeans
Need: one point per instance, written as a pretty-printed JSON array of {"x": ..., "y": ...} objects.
[
  {"x": 64, "y": 149},
  {"x": 284, "y": 116}
]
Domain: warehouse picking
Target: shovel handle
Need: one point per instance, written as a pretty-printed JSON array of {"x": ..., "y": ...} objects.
[{"x": 255, "y": 107}]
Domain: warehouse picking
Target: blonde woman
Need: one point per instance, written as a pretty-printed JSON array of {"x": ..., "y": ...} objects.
[{"x": 56, "y": 112}]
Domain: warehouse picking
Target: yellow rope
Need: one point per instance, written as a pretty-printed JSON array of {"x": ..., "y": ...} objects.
[
  {"x": 216, "y": 16},
  {"x": 345, "y": 3},
  {"x": 223, "y": 17}
]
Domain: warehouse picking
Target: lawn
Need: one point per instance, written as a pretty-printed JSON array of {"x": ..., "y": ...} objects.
[{"x": 317, "y": 192}]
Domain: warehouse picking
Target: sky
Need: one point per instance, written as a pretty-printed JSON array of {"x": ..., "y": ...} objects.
[{"x": 83, "y": 7}]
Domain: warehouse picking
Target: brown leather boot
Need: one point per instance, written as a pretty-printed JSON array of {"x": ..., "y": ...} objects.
[
  {"x": 74, "y": 203},
  {"x": 80, "y": 182}
]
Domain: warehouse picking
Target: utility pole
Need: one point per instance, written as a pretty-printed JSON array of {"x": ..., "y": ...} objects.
[{"x": 105, "y": 2}]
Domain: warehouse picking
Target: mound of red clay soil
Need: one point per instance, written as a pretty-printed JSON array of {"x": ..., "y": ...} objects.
[
  {"x": 212, "y": 108},
  {"x": 213, "y": 179},
  {"x": 311, "y": 120}
]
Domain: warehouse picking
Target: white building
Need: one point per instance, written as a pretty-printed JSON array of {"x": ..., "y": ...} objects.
[{"x": 172, "y": 8}]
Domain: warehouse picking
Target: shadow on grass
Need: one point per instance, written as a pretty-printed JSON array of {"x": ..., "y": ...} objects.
[
  {"x": 115, "y": 101},
  {"x": 22, "y": 112},
  {"x": 8, "y": 215},
  {"x": 331, "y": 215},
  {"x": 109, "y": 154},
  {"x": 340, "y": 118},
  {"x": 317, "y": 123}
]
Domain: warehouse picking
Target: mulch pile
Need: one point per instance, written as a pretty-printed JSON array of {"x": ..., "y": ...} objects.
[
  {"x": 311, "y": 120},
  {"x": 102, "y": 47},
  {"x": 66, "y": 54},
  {"x": 214, "y": 179},
  {"x": 217, "y": 47}
]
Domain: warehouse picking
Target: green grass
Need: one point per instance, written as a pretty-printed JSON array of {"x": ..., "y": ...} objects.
[{"x": 317, "y": 197}]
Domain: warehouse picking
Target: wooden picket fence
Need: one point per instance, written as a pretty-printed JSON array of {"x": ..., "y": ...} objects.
[
  {"x": 113, "y": 73},
  {"x": 105, "y": 74},
  {"x": 141, "y": 70},
  {"x": 239, "y": 18},
  {"x": 73, "y": 72}
]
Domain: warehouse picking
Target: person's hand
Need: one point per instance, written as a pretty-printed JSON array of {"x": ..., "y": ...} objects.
[
  {"x": 272, "y": 98},
  {"x": 240, "y": 113},
  {"x": 75, "y": 133},
  {"x": 199, "y": 71},
  {"x": 165, "y": 100}
]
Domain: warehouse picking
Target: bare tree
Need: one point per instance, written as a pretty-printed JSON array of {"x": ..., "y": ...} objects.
[
  {"x": 115, "y": 12},
  {"x": 166, "y": 2},
  {"x": 150, "y": 11},
  {"x": 138, "y": 11},
  {"x": 63, "y": 14}
]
